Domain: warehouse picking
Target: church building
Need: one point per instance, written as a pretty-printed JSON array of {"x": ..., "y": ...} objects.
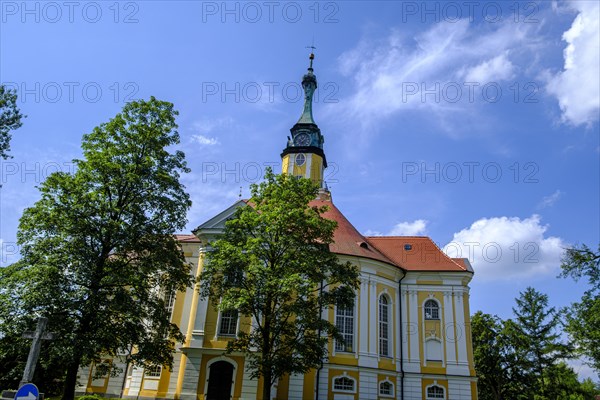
[{"x": 407, "y": 337}]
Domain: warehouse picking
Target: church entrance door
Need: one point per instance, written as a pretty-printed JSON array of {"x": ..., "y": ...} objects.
[{"x": 220, "y": 379}]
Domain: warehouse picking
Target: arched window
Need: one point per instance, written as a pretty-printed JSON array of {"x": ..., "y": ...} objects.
[
  {"x": 432, "y": 310},
  {"x": 386, "y": 388},
  {"x": 344, "y": 384},
  {"x": 228, "y": 325},
  {"x": 384, "y": 326},
  {"x": 435, "y": 392},
  {"x": 344, "y": 321}
]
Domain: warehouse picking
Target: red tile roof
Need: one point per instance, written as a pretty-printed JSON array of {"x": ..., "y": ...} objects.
[
  {"x": 347, "y": 240},
  {"x": 186, "y": 238},
  {"x": 411, "y": 253},
  {"x": 415, "y": 253}
]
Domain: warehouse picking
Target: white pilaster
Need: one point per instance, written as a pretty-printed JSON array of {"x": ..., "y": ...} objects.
[
  {"x": 323, "y": 383},
  {"x": 136, "y": 382},
  {"x": 308, "y": 165},
  {"x": 459, "y": 389},
  {"x": 461, "y": 331},
  {"x": 449, "y": 329},
  {"x": 249, "y": 386},
  {"x": 363, "y": 331},
  {"x": 296, "y": 387},
  {"x": 174, "y": 375},
  {"x": 367, "y": 387},
  {"x": 373, "y": 320},
  {"x": 404, "y": 339},
  {"x": 189, "y": 388},
  {"x": 413, "y": 327}
]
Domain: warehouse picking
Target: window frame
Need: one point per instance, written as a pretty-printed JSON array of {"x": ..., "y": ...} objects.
[
  {"x": 434, "y": 306},
  {"x": 392, "y": 387},
  {"x": 346, "y": 346},
  {"x": 435, "y": 386},
  {"x": 153, "y": 371},
  {"x": 384, "y": 326},
  {"x": 344, "y": 376},
  {"x": 232, "y": 320}
]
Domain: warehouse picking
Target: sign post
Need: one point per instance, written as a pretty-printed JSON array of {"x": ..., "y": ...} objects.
[{"x": 28, "y": 392}]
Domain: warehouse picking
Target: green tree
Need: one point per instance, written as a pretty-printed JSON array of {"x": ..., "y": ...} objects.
[
  {"x": 10, "y": 118},
  {"x": 498, "y": 364},
  {"x": 583, "y": 318},
  {"x": 98, "y": 244},
  {"x": 489, "y": 354},
  {"x": 535, "y": 338},
  {"x": 564, "y": 384},
  {"x": 273, "y": 264}
]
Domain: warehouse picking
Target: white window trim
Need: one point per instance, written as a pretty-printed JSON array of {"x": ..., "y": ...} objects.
[
  {"x": 437, "y": 385},
  {"x": 393, "y": 388},
  {"x": 344, "y": 375}
]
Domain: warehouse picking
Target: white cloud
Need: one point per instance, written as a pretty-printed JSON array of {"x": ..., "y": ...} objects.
[
  {"x": 204, "y": 140},
  {"x": 208, "y": 125},
  {"x": 496, "y": 69},
  {"x": 508, "y": 248},
  {"x": 549, "y": 201},
  {"x": 415, "y": 228},
  {"x": 395, "y": 74},
  {"x": 577, "y": 87}
]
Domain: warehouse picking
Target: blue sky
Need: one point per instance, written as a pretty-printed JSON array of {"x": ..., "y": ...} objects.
[{"x": 475, "y": 123}]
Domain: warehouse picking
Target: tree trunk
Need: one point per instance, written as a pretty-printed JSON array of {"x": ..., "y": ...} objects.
[
  {"x": 267, "y": 386},
  {"x": 71, "y": 378}
]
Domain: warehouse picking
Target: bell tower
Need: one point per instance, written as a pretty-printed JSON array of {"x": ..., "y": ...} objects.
[{"x": 303, "y": 155}]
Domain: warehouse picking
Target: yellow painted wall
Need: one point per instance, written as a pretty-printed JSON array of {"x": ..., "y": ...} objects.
[
  {"x": 285, "y": 163},
  {"x": 425, "y": 329},
  {"x": 316, "y": 168},
  {"x": 283, "y": 387},
  {"x": 308, "y": 391},
  {"x": 336, "y": 373},
  {"x": 427, "y": 382}
]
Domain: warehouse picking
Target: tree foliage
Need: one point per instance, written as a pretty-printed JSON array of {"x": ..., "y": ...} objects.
[
  {"x": 98, "y": 244},
  {"x": 499, "y": 377},
  {"x": 523, "y": 358},
  {"x": 10, "y": 118},
  {"x": 583, "y": 317},
  {"x": 535, "y": 333},
  {"x": 273, "y": 264}
]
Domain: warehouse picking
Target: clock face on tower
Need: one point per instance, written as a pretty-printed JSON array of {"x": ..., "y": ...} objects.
[{"x": 302, "y": 140}]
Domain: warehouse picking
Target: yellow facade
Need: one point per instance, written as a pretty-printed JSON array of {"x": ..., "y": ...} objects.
[
  {"x": 311, "y": 168},
  {"x": 370, "y": 371},
  {"x": 408, "y": 334}
]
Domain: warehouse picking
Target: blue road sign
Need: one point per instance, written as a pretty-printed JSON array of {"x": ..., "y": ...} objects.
[{"x": 28, "y": 392}]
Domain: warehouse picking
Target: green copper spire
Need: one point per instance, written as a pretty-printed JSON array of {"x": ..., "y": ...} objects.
[{"x": 309, "y": 83}]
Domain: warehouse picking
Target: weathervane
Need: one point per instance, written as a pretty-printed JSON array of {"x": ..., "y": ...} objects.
[{"x": 312, "y": 52}]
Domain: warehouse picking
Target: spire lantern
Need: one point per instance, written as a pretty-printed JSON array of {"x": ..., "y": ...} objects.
[
  {"x": 309, "y": 84},
  {"x": 303, "y": 155}
]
